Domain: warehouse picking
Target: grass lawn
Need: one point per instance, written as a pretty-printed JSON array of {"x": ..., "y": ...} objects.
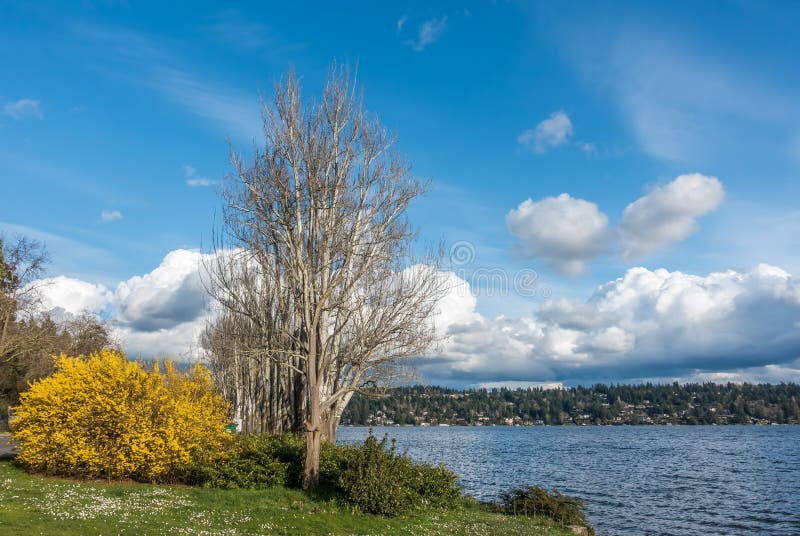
[{"x": 35, "y": 505}]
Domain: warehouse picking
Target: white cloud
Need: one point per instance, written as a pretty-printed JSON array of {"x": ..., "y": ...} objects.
[
  {"x": 612, "y": 339},
  {"x": 563, "y": 231},
  {"x": 645, "y": 324},
  {"x": 163, "y": 311},
  {"x": 429, "y": 33},
  {"x": 110, "y": 215},
  {"x": 552, "y": 132},
  {"x": 192, "y": 179},
  {"x": 159, "y": 313},
  {"x": 668, "y": 214},
  {"x": 734, "y": 325},
  {"x": 566, "y": 232},
  {"x": 24, "y": 108},
  {"x": 171, "y": 294},
  {"x": 458, "y": 304},
  {"x": 73, "y": 296}
]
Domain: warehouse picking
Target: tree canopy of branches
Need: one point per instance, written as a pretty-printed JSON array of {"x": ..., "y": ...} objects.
[
  {"x": 28, "y": 339},
  {"x": 315, "y": 272}
]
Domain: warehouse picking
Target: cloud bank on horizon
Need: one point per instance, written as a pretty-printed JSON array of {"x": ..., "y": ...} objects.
[{"x": 647, "y": 324}]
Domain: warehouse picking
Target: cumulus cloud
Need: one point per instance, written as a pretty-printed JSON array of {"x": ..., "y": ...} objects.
[
  {"x": 429, "y": 33},
  {"x": 458, "y": 304},
  {"x": 24, "y": 108},
  {"x": 645, "y": 324},
  {"x": 563, "y": 231},
  {"x": 668, "y": 214},
  {"x": 73, "y": 296},
  {"x": 168, "y": 296},
  {"x": 164, "y": 311},
  {"x": 110, "y": 215},
  {"x": 158, "y": 313},
  {"x": 567, "y": 232},
  {"x": 552, "y": 132}
]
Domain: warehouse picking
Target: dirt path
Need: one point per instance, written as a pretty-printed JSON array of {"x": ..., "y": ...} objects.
[{"x": 6, "y": 450}]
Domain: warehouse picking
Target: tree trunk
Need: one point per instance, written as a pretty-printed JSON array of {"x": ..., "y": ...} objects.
[
  {"x": 313, "y": 440},
  {"x": 329, "y": 426},
  {"x": 313, "y": 425},
  {"x": 332, "y": 418}
]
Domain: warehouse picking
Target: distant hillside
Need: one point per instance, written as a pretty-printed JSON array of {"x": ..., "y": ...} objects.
[{"x": 706, "y": 403}]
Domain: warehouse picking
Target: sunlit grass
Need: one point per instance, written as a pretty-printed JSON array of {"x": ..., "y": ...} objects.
[{"x": 36, "y": 505}]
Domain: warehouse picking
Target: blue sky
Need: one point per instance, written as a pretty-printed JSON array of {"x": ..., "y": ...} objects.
[{"x": 114, "y": 119}]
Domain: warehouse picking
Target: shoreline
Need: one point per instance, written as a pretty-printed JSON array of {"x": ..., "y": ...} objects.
[{"x": 570, "y": 425}]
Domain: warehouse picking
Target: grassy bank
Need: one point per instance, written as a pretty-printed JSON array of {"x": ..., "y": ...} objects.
[{"x": 35, "y": 505}]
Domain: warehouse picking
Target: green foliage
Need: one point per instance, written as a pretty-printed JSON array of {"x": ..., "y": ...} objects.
[
  {"x": 692, "y": 403},
  {"x": 333, "y": 461},
  {"x": 537, "y": 501},
  {"x": 370, "y": 476},
  {"x": 250, "y": 464},
  {"x": 35, "y": 505},
  {"x": 381, "y": 481}
]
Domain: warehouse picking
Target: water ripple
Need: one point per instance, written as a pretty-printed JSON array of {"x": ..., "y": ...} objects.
[{"x": 635, "y": 480}]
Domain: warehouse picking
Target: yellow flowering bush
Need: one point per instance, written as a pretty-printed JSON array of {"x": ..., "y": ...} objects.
[{"x": 105, "y": 416}]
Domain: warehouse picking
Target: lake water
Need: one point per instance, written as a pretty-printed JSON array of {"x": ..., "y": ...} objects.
[{"x": 635, "y": 479}]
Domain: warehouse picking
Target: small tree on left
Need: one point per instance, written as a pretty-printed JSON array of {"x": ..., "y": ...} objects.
[
  {"x": 29, "y": 336},
  {"x": 107, "y": 417}
]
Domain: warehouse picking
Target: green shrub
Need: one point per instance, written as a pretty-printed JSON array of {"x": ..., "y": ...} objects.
[
  {"x": 239, "y": 473},
  {"x": 381, "y": 481},
  {"x": 563, "y": 510},
  {"x": 437, "y": 486},
  {"x": 252, "y": 462},
  {"x": 333, "y": 460},
  {"x": 289, "y": 449},
  {"x": 368, "y": 475}
]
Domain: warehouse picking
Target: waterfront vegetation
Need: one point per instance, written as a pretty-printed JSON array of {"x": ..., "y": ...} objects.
[
  {"x": 105, "y": 418},
  {"x": 369, "y": 476},
  {"x": 43, "y": 505},
  {"x": 692, "y": 403}
]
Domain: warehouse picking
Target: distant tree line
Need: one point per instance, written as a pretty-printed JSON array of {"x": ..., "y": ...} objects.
[{"x": 691, "y": 403}]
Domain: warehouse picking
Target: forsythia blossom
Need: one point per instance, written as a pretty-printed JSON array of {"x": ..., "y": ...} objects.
[{"x": 105, "y": 416}]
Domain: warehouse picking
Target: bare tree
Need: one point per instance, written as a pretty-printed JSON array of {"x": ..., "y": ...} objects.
[
  {"x": 29, "y": 338},
  {"x": 22, "y": 262},
  {"x": 265, "y": 397},
  {"x": 266, "y": 387},
  {"x": 325, "y": 269}
]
